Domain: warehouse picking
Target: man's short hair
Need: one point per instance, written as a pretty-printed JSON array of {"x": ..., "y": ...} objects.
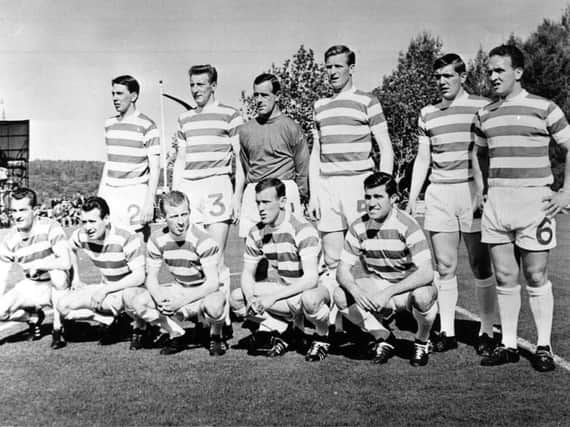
[
  {"x": 174, "y": 199},
  {"x": 268, "y": 77},
  {"x": 513, "y": 52},
  {"x": 25, "y": 193},
  {"x": 453, "y": 59},
  {"x": 96, "y": 202},
  {"x": 381, "y": 178},
  {"x": 266, "y": 183},
  {"x": 208, "y": 69},
  {"x": 129, "y": 81},
  {"x": 337, "y": 50}
]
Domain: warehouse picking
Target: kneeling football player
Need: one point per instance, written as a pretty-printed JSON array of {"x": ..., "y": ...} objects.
[
  {"x": 395, "y": 252},
  {"x": 118, "y": 256},
  {"x": 291, "y": 246},
  {"x": 191, "y": 256},
  {"x": 38, "y": 245}
]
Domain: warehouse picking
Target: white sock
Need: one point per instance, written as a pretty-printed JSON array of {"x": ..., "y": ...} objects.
[
  {"x": 425, "y": 321},
  {"x": 487, "y": 297},
  {"x": 509, "y": 301},
  {"x": 171, "y": 326},
  {"x": 365, "y": 321},
  {"x": 56, "y": 295},
  {"x": 541, "y": 303},
  {"x": 447, "y": 301}
]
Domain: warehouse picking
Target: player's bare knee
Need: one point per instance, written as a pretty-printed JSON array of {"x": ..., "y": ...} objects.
[
  {"x": 340, "y": 299},
  {"x": 237, "y": 300},
  {"x": 446, "y": 267},
  {"x": 214, "y": 305},
  {"x": 63, "y": 305},
  {"x": 535, "y": 277},
  {"x": 60, "y": 279},
  {"x": 506, "y": 277},
  {"x": 130, "y": 295},
  {"x": 423, "y": 298}
]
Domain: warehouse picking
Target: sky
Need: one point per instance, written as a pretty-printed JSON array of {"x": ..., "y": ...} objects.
[{"x": 57, "y": 57}]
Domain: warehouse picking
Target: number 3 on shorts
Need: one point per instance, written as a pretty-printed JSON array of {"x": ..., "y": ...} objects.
[
  {"x": 544, "y": 232},
  {"x": 219, "y": 208}
]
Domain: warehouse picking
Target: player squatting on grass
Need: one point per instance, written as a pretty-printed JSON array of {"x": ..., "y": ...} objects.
[{"x": 389, "y": 242}]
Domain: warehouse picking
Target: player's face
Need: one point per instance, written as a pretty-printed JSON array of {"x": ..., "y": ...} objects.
[
  {"x": 269, "y": 205},
  {"x": 177, "y": 219},
  {"x": 201, "y": 88},
  {"x": 449, "y": 81},
  {"x": 22, "y": 214},
  {"x": 338, "y": 71},
  {"x": 265, "y": 99},
  {"x": 122, "y": 98},
  {"x": 378, "y": 202},
  {"x": 504, "y": 77},
  {"x": 93, "y": 225}
]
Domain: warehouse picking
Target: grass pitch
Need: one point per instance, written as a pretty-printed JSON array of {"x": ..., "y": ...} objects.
[{"x": 90, "y": 384}]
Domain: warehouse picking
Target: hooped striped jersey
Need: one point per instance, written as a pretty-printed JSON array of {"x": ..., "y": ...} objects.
[
  {"x": 26, "y": 250},
  {"x": 118, "y": 254},
  {"x": 206, "y": 139},
  {"x": 284, "y": 247},
  {"x": 517, "y": 132},
  {"x": 448, "y": 130},
  {"x": 130, "y": 141},
  {"x": 184, "y": 259},
  {"x": 344, "y": 124},
  {"x": 392, "y": 250}
]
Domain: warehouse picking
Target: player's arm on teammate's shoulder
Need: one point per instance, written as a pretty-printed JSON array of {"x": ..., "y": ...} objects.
[
  {"x": 313, "y": 208},
  {"x": 420, "y": 171}
]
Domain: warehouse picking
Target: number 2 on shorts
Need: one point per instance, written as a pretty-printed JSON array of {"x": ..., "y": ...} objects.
[
  {"x": 219, "y": 208},
  {"x": 134, "y": 214}
]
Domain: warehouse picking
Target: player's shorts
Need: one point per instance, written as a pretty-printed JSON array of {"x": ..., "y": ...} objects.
[
  {"x": 210, "y": 199},
  {"x": 341, "y": 200},
  {"x": 32, "y": 293},
  {"x": 515, "y": 214},
  {"x": 125, "y": 205},
  {"x": 249, "y": 215},
  {"x": 451, "y": 207},
  {"x": 372, "y": 284},
  {"x": 114, "y": 301}
]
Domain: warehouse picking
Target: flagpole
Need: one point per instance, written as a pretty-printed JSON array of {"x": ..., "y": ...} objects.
[{"x": 163, "y": 147}]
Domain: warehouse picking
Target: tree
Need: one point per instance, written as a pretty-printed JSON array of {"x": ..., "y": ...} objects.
[
  {"x": 302, "y": 83},
  {"x": 402, "y": 94},
  {"x": 477, "y": 82}
]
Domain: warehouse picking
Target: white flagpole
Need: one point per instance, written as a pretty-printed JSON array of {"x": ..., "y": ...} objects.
[{"x": 163, "y": 148}]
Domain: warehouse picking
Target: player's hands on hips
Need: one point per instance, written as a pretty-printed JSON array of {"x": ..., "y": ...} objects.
[
  {"x": 314, "y": 209},
  {"x": 556, "y": 202}
]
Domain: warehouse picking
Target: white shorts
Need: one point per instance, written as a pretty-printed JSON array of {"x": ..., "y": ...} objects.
[
  {"x": 341, "y": 200},
  {"x": 114, "y": 300},
  {"x": 249, "y": 215},
  {"x": 451, "y": 207},
  {"x": 125, "y": 205},
  {"x": 32, "y": 293},
  {"x": 210, "y": 199},
  {"x": 372, "y": 284},
  {"x": 513, "y": 214}
]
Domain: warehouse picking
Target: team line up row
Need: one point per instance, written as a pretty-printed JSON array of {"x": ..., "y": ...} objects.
[{"x": 457, "y": 136}]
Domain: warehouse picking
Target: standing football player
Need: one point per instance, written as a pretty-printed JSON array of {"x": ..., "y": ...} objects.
[
  {"x": 131, "y": 171},
  {"x": 519, "y": 216},
  {"x": 452, "y": 208},
  {"x": 272, "y": 146},
  {"x": 39, "y": 246}
]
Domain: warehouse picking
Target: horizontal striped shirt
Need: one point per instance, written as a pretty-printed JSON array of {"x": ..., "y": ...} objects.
[
  {"x": 205, "y": 138},
  {"x": 130, "y": 141},
  {"x": 38, "y": 245},
  {"x": 284, "y": 247},
  {"x": 344, "y": 124},
  {"x": 517, "y": 132},
  {"x": 118, "y": 254},
  {"x": 447, "y": 128},
  {"x": 391, "y": 250},
  {"x": 184, "y": 259}
]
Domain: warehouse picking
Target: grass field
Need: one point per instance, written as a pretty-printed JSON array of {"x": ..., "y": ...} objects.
[{"x": 89, "y": 384}]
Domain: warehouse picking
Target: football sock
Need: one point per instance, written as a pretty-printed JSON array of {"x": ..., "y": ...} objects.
[
  {"x": 447, "y": 300},
  {"x": 86, "y": 313},
  {"x": 365, "y": 321},
  {"x": 171, "y": 326},
  {"x": 487, "y": 297},
  {"x": 541, "y": 303},
  {"x": 320, "y": 319},
  {"x": 425, "y": 321},
  {"x": 509, "y": 301},
  {"x": 56, "y": 295}
]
